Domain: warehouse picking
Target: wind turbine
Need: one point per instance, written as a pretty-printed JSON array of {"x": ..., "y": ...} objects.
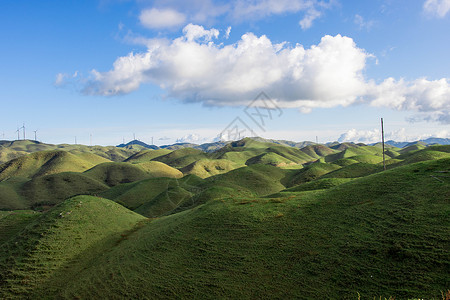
[
  {"x": 23, "y": 127},
  {"x": 18, "y": 133},
  {"x": 35, "y": 135}
]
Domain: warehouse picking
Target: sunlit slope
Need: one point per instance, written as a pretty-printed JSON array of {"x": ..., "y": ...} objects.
[
  {"x": 382, "y": 235},
  {"x": 43, "y": 163},
  {"x": 147, "y": 155},
  {"x": 52, "y": 189},
  {"x": 115, "y": 173},
  {"x": 182, "y": 157},
  {"x": 209, "y": 167},
  {"x": 14, "y": 149},
  {"x": 80, "y": 228}
]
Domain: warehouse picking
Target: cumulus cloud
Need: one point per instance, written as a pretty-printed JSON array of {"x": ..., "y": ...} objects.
[
  {"x": 193, "y": 139},
  {"x": 437, "y": 8},
  {"x": 196, "y": 68},
  {"x": 374, "y": 136},
  {"x": 206, "y": 11},
  {"x": 161, "y": 18},
  {"x": 431, "y": 98}
]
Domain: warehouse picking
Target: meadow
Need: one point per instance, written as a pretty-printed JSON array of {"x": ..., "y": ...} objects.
[{"x": 247, "y": 219}]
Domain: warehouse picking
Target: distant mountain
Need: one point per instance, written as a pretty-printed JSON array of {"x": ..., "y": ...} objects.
[
  {"x": 426, "y": 142},
  {"x": 210, "y": 147},
  {"x": 284, "y": 142},
  {"x": 440, "y": 141},
  {"x": 134, "y": 143}
]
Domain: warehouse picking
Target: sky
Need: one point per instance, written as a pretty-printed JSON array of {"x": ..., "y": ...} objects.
[{"x": 103, "y": 72}]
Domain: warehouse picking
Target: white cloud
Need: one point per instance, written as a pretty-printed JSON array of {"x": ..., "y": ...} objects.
[
  {"x": 437, "y": 8},
  {"x": 193, "y": 139},
  {"x": 227, "y": 32},
  {"x": 194, "y": 68},
  {"x": 63, "y": 78},
  {"x": 374, "y": 136},
  {"x": 363, "y": 24},
  {"x": 238, "y": 11},
  {"x": 161, "y": 18},
  {"x": 195, "y": 32},
  {"x": 430, "y": 98},
  {"x": 309, "y": 17}
]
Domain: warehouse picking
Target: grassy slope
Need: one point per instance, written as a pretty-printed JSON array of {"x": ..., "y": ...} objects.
[
  {"x": 312, "y": 172},
  {"x": 53, "y": 189},
  {"x": 43, "y": 163},
  {"x": 204, "y": 168},
  {"x": 10, "y": 150},
  {"x": 381, "y": 235},
  {"x": 58, "y": 239},
  {"x": 115, "y": 173},
  {"x": 10, "y": 194},
  {"x": 159, "y": 169},
  {"x": 182, "y": 157},
  {"x": 147, "y": 155}
]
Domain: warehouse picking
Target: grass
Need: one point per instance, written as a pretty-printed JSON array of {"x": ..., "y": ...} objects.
[
  {"x": 10, "y": 194},
  {"x": 115, "y": 173},
  {"x": 57, "y": 240},
  {"x": 147, "y": 155},
  {"x": 312, "y": 172},
  {"x": 318, "y": 184},
  {"x": 336, "y": 228},
  {"x": 204, "y": 168},
  {"x": 43, "y": 163},
  {"x": 52, "y": 189},
  {"x": 378, "y": 236},
  {"x": 159, "y": 169}
]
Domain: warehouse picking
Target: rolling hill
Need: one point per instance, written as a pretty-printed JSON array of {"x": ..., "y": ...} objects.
[{"x": 381, "y": 235}]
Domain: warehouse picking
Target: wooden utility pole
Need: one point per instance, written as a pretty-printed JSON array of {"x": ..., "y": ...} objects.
[{"x": 382, "y": 141}]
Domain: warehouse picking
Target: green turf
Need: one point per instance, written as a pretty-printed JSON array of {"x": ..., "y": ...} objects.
[
  {"x": 115, "y": 173},
  {"x": 52, "y": 189},
  {"x": 159, "y": 169},
  {"x": 147, "y": 155},
  {"x": 208, "y": 167},
  {"x": 58, "y": 240},
  {"x": 318, "y": 184},
  {"x": 380, "y": 236},
  {"x": 312, "y": 223},
  {"x": 312, "y": 172}
]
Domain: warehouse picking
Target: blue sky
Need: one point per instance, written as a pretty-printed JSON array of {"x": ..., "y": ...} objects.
[{"x": 183, "y": 70}]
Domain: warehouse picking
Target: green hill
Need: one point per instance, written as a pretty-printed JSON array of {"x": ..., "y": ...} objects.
[
  {"x": 80, "y": 228},
  {"x": 10, "y": 194},
  {"x": 115, "y": 173},
  {"x": 259, "y": 179},
  {"x": 147, "y": 155},
  {"x": 43, "y": 163},
  {"x": 312, "y": 172},
  {"x": 317, "y": 151},
  {"x": 354, "y": 170},
  {"x": 380, "y": 236},
  {"x": 204, "y": 168},
  {"x": 159, "y": 169},
  {"x": 52, "y": 189},
  {"x": 318, "y": 184},
  {"x": 182, "y": 157}
]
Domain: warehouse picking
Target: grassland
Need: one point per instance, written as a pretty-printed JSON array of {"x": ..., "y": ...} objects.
[{"x": 250, "y": 220}]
